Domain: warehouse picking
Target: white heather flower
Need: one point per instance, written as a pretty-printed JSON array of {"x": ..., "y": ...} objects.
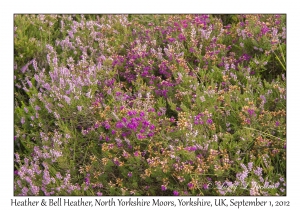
[
  {"x": 202, "y": 98},
  {"x": 23, "y": 120}
]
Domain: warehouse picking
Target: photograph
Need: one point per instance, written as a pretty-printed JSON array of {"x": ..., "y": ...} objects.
[{"x": 149, "y": 105}]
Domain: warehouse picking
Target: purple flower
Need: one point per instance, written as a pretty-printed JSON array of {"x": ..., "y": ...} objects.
[
  {"x": 258, "y": 171},
  {"x": 23, "y": 120},
  {"x": 25, "y": 191},
  {"x": 140, "y": 136},
  {"x": 205, "y": 186},
  {"x": 251, "y": 112},
  {"x": 171, "y": 39},
  {"x": 129, "y": 174},
  {"x": 131, "y": 113},
  {"x": 276, "y": 123},
  {"x": 242, "y": 176},
  {"x": 250, "y": 166},
  {"x": 248, "y": 121},
  {"x": 175, "y": 193},
  {"x": 190, "y": 185},
  {"x": 264, "y": 30},
  {"x": 192, "y": 148},
  {"x": 68, "y": 100},
  {"x": 34, "y": 189},
  {"x": 117, "y": 162},
  {"x": 192, "y": 50},
  {"x": 87, "y": 179},
  {"x": 99, "y": 193},
  {"x": 181, "y": 37},
  {"x": 150, "y": 134},
  {"x": 152, "y": 127},
  {"x": 163, "y": 188},
  {"x": 106, "y": 125},
  {"x": 58, "y": 175},
  {"x": 209, "y": 121},
  {"x": 119, "y": 125}
]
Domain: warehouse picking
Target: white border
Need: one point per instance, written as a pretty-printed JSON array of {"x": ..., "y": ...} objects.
[{"x": 154, "y": 6}]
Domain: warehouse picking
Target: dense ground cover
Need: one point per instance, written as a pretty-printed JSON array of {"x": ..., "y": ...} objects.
[{"x": 150, "y": 105}]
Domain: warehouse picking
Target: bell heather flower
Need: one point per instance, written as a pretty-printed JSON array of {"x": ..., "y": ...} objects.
[
  {"x": 209, "y": 121},
  {"x": 190, "y": 185},
  {"x": 181, "y": 37},
  {"x": 175, "y": 193}
]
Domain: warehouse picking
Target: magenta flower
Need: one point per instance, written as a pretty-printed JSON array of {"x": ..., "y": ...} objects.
[
  {"x": 181, "y": 37},
  {"x": 152, "y": 127},
  {"x": 190, "y": 185},
  {"x": 251, "y": 112},
  {"x": 209, "y": 121},
  {"x": 163, "y": 188},
  {"x": 171, "y": 39},
  {"x": 119, "y": 125},
  {"x": 140, "y": 136},
  {"x": 129, "y": 174},
  {"x": 106, "y": 125},
  {"x": 175, "y": 193},
  {"x": 116, "y": 162},
  {"x": 191, "y": 148},
  {"x": 87, "y": 179},
  {"x": 264, "y": 30}
]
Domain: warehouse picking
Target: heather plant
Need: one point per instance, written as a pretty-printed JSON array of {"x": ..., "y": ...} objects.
[{"x": 150, "y": 105}]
